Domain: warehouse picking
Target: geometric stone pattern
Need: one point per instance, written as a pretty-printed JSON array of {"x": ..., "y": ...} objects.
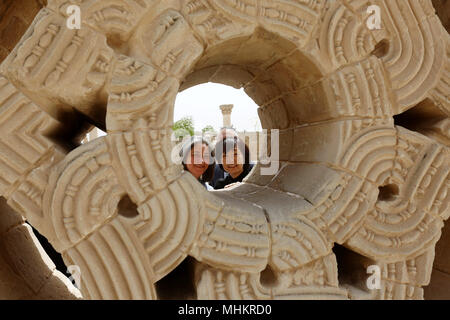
[{"x": 347, "y": 175}]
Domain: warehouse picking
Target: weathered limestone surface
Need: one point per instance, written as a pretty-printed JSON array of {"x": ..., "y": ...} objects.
[
  {"x": 15, "y": 17},
  {"x": 364, "y": 158}
]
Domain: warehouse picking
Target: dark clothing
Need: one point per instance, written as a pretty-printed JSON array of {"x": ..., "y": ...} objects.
[
  {"x": 219, "y": 173},
  {"x": 221, "y": 183}
]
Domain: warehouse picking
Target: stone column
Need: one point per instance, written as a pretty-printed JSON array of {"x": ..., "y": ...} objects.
[{"x": 226, "y": 114}]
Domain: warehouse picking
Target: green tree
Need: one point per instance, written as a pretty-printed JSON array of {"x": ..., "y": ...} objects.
[
  {"x": 208, "y": 128},
  {"x": 183, "y": 127}
]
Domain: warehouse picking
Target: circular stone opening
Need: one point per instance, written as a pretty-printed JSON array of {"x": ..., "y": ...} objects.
[
  {"x": 388, "y": 192},
  {"x": 205, "y": 110},
  {"x": 127, "y": 208},
  {"x": 268, "y": 278},
  {"x": 279, "y": 78}
]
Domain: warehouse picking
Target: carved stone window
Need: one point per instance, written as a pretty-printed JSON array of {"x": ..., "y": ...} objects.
[{"x": 120, "y": 210}]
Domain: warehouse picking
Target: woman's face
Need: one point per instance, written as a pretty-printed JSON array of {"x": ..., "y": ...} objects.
[
  {"x": 233, "y": 162},
  {"x": 199, "y": 159}
]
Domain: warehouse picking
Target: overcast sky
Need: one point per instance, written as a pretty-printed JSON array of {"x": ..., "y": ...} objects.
[{"x": 202, "y": 103}]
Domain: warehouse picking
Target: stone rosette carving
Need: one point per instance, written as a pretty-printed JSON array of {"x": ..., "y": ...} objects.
[{"x": 316, "y": 72}]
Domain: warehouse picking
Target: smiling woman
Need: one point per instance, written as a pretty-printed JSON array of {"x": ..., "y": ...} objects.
[
  {"x": 233, "y": 157},
  {"x": 198, "y": 160}
]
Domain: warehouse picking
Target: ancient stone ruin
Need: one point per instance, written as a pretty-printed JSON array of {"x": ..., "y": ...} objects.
[{"x": 363, "y": 173}]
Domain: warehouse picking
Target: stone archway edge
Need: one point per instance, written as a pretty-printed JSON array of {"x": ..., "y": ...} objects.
[{"x": 350, "y": 143}]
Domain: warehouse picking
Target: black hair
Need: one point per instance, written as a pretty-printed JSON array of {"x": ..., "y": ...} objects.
[
  {"x": 229, "y": 144},
  {"x": 186, "y": 149}
]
